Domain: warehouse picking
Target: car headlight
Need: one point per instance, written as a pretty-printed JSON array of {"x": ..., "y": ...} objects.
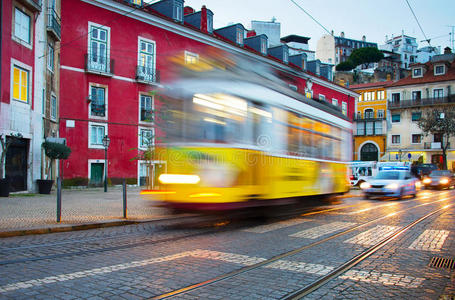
[
  {"x": 365, "y": 185},
  {"x": 418, "y": 184},
  {"x": 427, "y": 180},
  {"x": 444, "y": 181},
  {"x": 392, "y": 186}
]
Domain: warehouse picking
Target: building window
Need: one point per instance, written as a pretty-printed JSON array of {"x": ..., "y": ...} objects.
[
  {"x": 369, "y": 113},
  {"x": 369, "y": 128},
  {"x": 264, "y": 46},
  {"x": 285, "y": 56},
  {"x": 438, "y": 93},
  {"x": 380, "y": 113},
  {"x": 439, "y": 70},
  {"x": 416, "y": 116},
  {"x": 344, "y": 108},
  {"x": 146, "y": 61},
  {"x": 53, "y": 107},
  {"x": 20, "y": 84},
  {"x": 22, "y": 23},
  {"x": 210, "y": 23},
  {"x": 396, "y": 118},
  {"x": 417, "y": 72},
  {"x": 98, "y": 101},
  {"x": 395, "y": 97},
  {"x": 293, "y": 87},
  {"x": 395, "y": 139},
  {"x": 191, "y": 58},
  {"x": 334, "y": 102},
  {"x": 416, "y": 95},
  {"x": 98, "y": 45},
  {"x": 239, "y": 36},
  {"x": 97, "y": 132},
  {"x": 50, "y": 57},
  {"x": 416, "y": 138},
  {"x": 146, "y": 138},
  {"x": 381, "y": 95},
  {"x": 146, "y": 109},
  {"x": 321, "y": 97},
  {"x": 378, "y": 127},
  {"x": 361, "y": 128},
  {"x": 368, "y": 96},
  {"x": 178, "y": 11}
]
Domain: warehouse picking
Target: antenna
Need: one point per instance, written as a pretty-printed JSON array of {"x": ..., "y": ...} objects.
[{"x": 452, "y": 37}]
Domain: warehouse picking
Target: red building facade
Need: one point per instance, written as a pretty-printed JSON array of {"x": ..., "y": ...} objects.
[{"x": 113, "y": 58}]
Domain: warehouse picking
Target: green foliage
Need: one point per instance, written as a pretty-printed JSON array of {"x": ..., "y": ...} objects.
[
  {"x": 56, "y": 150},
  {"x": 76, "y": 181},
  {"x": 365, "y": 56},
  {"x": 345, "y": 66}
]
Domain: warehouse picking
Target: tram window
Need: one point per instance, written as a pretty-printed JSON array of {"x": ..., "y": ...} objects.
[{"x": 261, "y": 124}]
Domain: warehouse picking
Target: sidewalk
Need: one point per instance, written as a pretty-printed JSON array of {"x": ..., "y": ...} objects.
[
  {"x": 92, "y": 207},
  {"x": 22, "y": 214}
]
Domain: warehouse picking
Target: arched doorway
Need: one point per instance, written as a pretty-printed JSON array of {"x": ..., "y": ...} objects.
[{"x": 369, "y": 152}]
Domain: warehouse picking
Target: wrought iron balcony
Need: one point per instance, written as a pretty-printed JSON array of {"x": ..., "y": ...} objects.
[
  {"x": 146, "y": 115},
  {"x": 98, "y": 110},
  {"x": 358, "y": 118},
  {"x": 147, "y": 75},
  {"x": 99, "y": 64},
  {"x": 433, "y": 145},
  {"x": 421, "y": 102},
  {"x": 54, "y": 23}
]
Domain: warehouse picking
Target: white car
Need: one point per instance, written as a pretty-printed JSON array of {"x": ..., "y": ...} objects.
[{"x": 391, "y": 183}]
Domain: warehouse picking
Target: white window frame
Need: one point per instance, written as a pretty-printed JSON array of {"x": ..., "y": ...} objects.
[
  {"x": 106, "y": 92},
  {"x": 139, "y": 52},
  {"x": 108, "y": 44},
  {"x": 435, "y": 89},
  {"x": 139, "y": 135},
  {"x": 153, "y": 107},
  {"x": 191, "y": 58},
  {"x": 417, "y": 76},
  {"x": 412, "y": 94},
  {"x": 381, "y": 95},
  {"x": 263, "y": 46},
  {"x": 380, "y": 113},
  {"x": 27, "y": 68},
  {"x": 239, "y": 36},
  {"x": 334, "y": 102},
  {"x": 321, "y": 97},
  {"x": 178, "y": 11},
  {"x": 285, "y": 56},
  {"x": 96, "y": 146},
  {"x": 293, "y": 87},
  {"x": 344, "y": 108},
  {"x": 443, "y": 69},
  {"x": 18, "y": 38},
  {"x": 50, "y": 57},
  {"x": 421, "y": 138},
  {"x": 54, "y": 107},
  {"x": 368, "y": 113},
  {"x": 399, "y": 137}
]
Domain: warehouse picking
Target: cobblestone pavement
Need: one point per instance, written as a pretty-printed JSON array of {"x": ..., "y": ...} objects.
[
  {"x": 27, "y": 211},
  {"x": 151, "y": 260}
]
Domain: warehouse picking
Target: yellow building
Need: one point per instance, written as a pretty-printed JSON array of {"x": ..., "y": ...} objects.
[{"x": 370, "y": 127}]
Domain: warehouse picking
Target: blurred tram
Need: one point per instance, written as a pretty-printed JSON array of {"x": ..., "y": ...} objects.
[{"x": 237, "y": 140}]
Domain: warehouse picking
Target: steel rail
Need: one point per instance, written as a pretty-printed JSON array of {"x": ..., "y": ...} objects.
[{"x": 281, "y": 256}]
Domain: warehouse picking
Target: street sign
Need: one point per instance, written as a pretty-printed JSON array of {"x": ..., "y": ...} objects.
[
  {"x": 409, "y": 155},
  {"x": 396, "y": 156}
]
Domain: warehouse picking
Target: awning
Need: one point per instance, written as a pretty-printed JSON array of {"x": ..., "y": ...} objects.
[{"x": 395, "y": 156}]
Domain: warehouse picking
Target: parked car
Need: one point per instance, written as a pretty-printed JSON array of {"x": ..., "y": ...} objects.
[
  {"x": 391, "y": 183},
  {"x": 439, "y": 179}
]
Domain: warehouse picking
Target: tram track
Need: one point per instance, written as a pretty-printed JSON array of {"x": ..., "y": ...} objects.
[{"x": 321, "y": 281}]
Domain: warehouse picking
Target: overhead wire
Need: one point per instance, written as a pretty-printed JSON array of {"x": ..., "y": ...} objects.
[
  {"x": 308, "y": 14},
  {"x": 418, "y": 23}
]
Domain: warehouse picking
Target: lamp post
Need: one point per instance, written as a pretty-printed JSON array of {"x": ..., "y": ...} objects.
[{"x": 106, "y": 141}]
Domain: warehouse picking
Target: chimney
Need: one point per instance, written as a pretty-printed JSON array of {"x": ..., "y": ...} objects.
[
  {"x": 364, "y": 38},
  {"x": 342, "y": 34},
  {"x": 331, "y": 33},
  {"x": 447, "y": 50},
  {"x": 204, "y": 19},
  {"x": 250, "y": 33},
  {"x": 188, "y": 10}
]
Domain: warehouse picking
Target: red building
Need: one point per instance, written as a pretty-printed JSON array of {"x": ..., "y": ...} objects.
[{"x": 112, "y": 57}]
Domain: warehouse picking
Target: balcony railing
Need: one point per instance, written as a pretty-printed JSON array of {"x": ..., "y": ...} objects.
[
  {"x": 98, "y": 110},
  {"x": 421, "y": 102},
  {"x": 99, "y": 64},
  {"x": 358, "y": 118},
  {"x": 146, "y": 115},
  {"x": 54, "y": 23},
  {"x": 433, "y": 145},
  {"x": 147, "y": 75}
]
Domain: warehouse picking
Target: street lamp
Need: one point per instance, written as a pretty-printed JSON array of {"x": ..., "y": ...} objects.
[{"x": 106, "y": 141}]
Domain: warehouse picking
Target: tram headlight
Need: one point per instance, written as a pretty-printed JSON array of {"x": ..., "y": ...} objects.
[
  {"x": 179, "y": 179},
  {"x": 217, "y": 175}
]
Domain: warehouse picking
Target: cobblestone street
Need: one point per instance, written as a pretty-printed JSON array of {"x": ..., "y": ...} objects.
[{"x": 245, "y": 259}]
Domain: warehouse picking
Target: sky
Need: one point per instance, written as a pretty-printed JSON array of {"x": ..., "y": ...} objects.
[{"x": 374, "y": 19}]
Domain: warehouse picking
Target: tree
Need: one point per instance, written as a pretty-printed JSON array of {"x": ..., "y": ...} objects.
[
  {"x": 365, "y": 56},
  {"x": 440, "y": 121},
  {"x": 55, "y": 151},
  {"x": 345, "y": 66}
]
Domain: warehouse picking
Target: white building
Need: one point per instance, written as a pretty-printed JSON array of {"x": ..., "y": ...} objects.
[
  {"x": 271, "y": 29},
  {"x": 405, "y": 45}
]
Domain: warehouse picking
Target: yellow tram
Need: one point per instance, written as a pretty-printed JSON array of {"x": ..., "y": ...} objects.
[{"x": 234, "y": 141}]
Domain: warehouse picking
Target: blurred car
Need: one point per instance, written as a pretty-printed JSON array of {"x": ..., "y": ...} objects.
[
  {"x": 439, "y": 179},
  {"x": 391, "y": 183},
  {"x": 423, "y": 170}
]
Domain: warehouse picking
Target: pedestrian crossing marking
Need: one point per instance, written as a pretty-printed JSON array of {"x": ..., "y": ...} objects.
[
  {"x": 318, "y": 231},
  {"x": 275, "y": 226},
  {"x": 430, "y": 240},
  {"x": 373, "y": 235},
  {"x": 383, "y": 278}
]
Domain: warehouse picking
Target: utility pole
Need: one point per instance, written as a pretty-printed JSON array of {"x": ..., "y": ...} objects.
[{"x": 452, "y": 37}]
